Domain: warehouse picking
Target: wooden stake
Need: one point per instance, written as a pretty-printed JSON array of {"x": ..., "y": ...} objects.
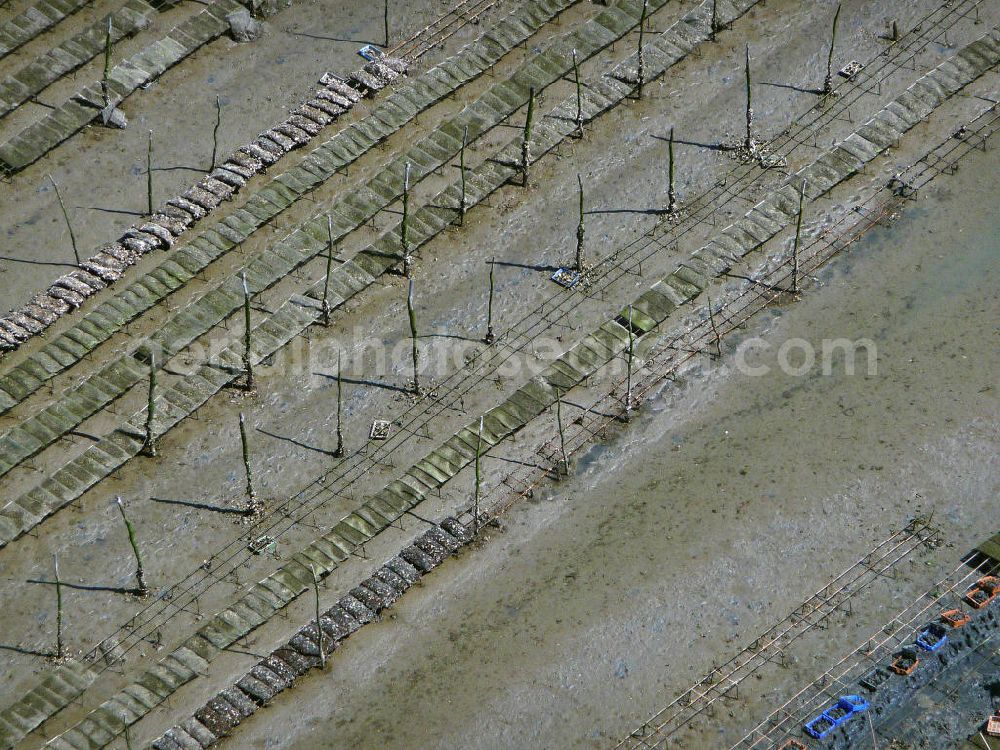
[
  {"x": 715, "y": 20},
  {"x": 149, "y": 175},
  {"x": 403, "y": 234},
  {"x": 141, "y": 588},
  {"x": 251, "y": 492},
  {"x": 526, "y": 143},
  {"x": 749, "y": 144},
  {"x": 629, "y": 357},
  {"x": 580, "y": 231},
  {"x": 319, "y": 630},
  {"x": 718, "y": 338},
  {"x": 828, "y": 81},
  {"x": 488, "y": 338},
  {"x": 641, "y": 62},
  {"x": 475, "y": 502},
  {"x": 340, "y": 401},
  {"x": 671, "y": 194},
  {"x": 562, "y": 434},
  {"x": 413, "y": 337},
  {"x": 463, "y": 205},
  {"x": 105, "y": 80},
  {"x": 798, "y": 235},
  {"x": 579, "y": 98},
  {"x": 149, "y": 444},
  {"x": 128, "y": 734},
  {"x": 60, "y": 647},
  {"x": 385, "y": 22},
  {"x": 329, "y": 268},
  {"x": 247, "y": 335},
  {"x": 215, "y": 131},
  {"x": 65, "y": 213}
]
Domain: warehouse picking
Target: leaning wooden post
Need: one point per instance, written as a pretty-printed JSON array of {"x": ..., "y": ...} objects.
[
  {"x": 562, "y": 434},
  {"x": 149, "y": 175},
  {"x": 215, "y": 131},
  {"x": 579, "y": 97},
  {"x": 798, "y": 235},
  {"x": 526, "y": 142},
  {"x": 385, "y": 21},
  {"x": 828, "y": 81},
  {"x": 413, "y": 338},
  {"x": 247, "y": 335},
  {"x": 671, "y": 193},
  {"x": 641, "y": 61},
  {"x": 580, "y": 231},
  {"x": 105, "y": 80},
  {"x": 629, "y": 358},
  {"x": 403, "y": 230},
  {"x": 488, "y": 338},
  {"x": 475, "y": 501},
  {"x": 340, "y": 402},
  {"x": 69, "y": 225},
  {"x": 128, "y": 734},
  {"x": 319, "y": 630},
  {"x": 141, "y": 588},
  {"x": 252, "y": 505},
  {"x": 463, "y": 205},
  {"x": 149, "y": 444},
  {"x": 749, "y": 144},
  {"x": 60, "y": 647},
  {"x": 714, "y": 27},
  {"x": 329, "y": 269},
  {"x": 718, "y": 338}
]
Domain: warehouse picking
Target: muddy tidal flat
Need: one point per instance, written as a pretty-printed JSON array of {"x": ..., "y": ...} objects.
[{"x": 496, "y": 386}]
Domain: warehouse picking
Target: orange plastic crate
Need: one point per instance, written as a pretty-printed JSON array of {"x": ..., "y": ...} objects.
[
  {"x": 979, "y": 597},
  {"x": 989, "y": 584},
  {"x": 904, "y": 664},
  {"x": 955, "y": 618}
]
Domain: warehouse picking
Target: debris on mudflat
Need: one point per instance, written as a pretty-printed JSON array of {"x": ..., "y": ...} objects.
[
  {"x": 566, "y": 277},
  {"x": 263, "y": 544},
  {"x": 851, "y": 70},
  {"x": 370, "y": 52},
  {"x": 112, "y": 117},
  {"x": 380, "y": 429}
]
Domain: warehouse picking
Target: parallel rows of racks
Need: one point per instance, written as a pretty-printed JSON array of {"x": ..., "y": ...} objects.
[{"x": 905, "y": 662}]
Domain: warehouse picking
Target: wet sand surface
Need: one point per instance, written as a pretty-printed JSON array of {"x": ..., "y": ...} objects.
[
  {"x": 596, "y": 606},
  {"x": 732, "y": 499}
]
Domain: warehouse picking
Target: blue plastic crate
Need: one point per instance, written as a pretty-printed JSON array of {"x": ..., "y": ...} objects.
[
  {"x": 841, "y": 711},
  {"x": 932, "y": 638}
]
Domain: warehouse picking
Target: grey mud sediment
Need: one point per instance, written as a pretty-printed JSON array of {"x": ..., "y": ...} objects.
[
  {"x": 716, "y": 510},
  {"x": 117, "y": 378},
  {"x": 580, "y": 363},
  {"x": 447, "y": 462},
  {"x": 377, "y": 514}
]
